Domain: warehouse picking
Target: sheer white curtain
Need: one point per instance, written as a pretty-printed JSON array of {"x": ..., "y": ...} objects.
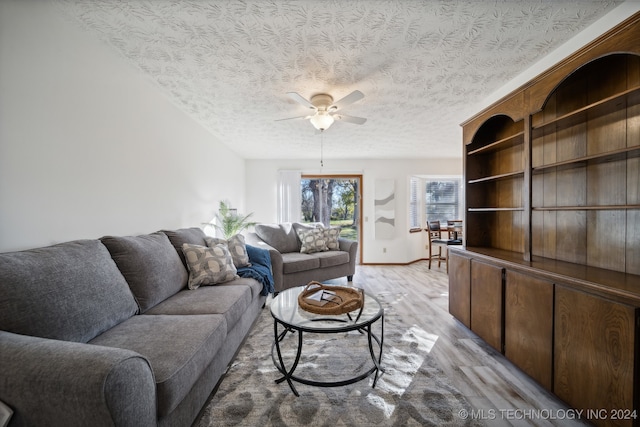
[{"x": 289, "y": 196}]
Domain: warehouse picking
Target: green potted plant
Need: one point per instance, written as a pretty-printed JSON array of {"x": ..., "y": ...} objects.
[{"x": 229, "y": 222}]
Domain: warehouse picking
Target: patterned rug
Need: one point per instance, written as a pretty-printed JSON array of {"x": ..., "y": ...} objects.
[{"x": 412, "y": 391}]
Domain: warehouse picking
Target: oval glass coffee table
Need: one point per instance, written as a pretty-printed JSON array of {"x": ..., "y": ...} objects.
[{"x": 289, "y": 317}]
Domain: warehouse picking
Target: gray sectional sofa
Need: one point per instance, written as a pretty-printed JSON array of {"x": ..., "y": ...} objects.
[
  {"x": 292, "y": 265},
  {"x": 105, "y": 332}
]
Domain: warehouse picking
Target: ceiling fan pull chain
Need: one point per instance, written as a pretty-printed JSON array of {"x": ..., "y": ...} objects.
[{"x": 321, "y": 149}]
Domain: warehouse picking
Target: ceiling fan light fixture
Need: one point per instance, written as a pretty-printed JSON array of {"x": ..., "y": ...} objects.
[
  {"x": 322, "y": 120},
  {"x": 325, "y": 109}
]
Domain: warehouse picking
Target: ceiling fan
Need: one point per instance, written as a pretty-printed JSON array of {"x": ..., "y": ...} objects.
[{"x": 325, "y": 110}]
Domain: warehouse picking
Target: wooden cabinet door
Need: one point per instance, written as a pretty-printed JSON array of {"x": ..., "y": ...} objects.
[
  {"x": 528, "y": 325},
  {"x": 595, "y": 342},
  {"x": 460, "y": 288},
  {"x": 486, "y": 303}
]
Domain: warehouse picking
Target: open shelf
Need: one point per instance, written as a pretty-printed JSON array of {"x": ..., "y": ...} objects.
[
  {"x": 586, "y": 208},
  {"x": 498, "y": 177},
  {"x": 604, "y": 106},
  {"x": 609, "y": 156},
  {"x": 509, "y": 141},
  {"x": 495, "y": 209}
]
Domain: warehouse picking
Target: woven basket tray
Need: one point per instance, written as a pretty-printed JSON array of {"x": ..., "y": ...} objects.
[{"x": 347, "y": 299}]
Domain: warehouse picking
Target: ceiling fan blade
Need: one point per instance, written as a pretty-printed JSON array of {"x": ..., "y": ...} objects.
[
  {"x": 350, "y": 119},
  {"x": 293, "y": 118},
  {"x": 301, "y": 100},
  {"x": 354, "y": 96}
]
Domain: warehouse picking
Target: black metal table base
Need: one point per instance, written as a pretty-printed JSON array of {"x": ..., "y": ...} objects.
[{"x": 288, "y": 374}]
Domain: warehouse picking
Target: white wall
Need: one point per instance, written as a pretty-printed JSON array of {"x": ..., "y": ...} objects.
[
  {"x": 90, "y": 147},
  {"x": 261, "y": 191}
]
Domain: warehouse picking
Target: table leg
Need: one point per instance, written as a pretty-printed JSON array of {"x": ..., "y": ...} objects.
[
  {"x": 286, "y": 374},
  {"x": 377, "y": 361}
]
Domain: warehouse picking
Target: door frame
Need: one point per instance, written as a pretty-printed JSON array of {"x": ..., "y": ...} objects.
[{"x": 359, "y": 201}]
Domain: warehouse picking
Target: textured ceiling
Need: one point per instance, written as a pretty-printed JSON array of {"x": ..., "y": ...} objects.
[{"x": 422, "y": 65}]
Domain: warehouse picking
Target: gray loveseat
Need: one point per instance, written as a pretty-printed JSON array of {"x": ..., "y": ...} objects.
[
  {"x": 292, "y": 266},
  {"x": 105, "y": 332}
]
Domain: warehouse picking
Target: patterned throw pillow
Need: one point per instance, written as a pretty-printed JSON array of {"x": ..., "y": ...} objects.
[
  {"x": 331, "y": 235},
  {"x": 208, "y": 266},
  {"x": 312, "y": 240},
  {"x": 237, "y": 248}
]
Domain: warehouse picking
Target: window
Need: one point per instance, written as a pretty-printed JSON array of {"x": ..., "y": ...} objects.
[
  {"x": 434, "y": 198},
  {"x": 333, "y": 200},
  {"x": 442, "y": 199}
]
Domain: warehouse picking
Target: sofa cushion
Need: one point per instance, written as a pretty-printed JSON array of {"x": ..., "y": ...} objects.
[
  {"x": 151, "y": 266},
  {"x": 193, "y": 236},
  {"x": 231, "y": 301},
  {"x": 294, "y": 262},
  {"x": 254, "y": 285},
  {"x": 72, "y": 291},
  {"x": 332, "y": 258},
  {"x": 208, "y": 266},
  {"x": 312, "y": 240},
  {"x": 179, "y": 349},
  {"x": 281, "y": 237},
  {"x": 237, "y": 248}
]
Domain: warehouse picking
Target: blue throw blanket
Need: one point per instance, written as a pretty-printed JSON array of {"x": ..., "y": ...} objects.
[{"x": 260, "y": 269}]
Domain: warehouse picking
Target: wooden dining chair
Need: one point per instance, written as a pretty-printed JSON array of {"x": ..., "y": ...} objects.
[
  {"x": 454, "y": 228},
  {"x": 435, "y": 235}
]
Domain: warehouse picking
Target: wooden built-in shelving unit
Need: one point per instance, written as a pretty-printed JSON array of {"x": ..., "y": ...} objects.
[{"x": 549, "y": 273}]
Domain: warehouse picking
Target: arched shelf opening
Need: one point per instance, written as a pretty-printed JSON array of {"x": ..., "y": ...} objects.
[
  {"x": 496, "y": 133},
  {"x": 598, "y": 72},
  {"x": 494, "y": 172}
]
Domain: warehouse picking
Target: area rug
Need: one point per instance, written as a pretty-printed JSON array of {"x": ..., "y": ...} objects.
[{"x": 412, "y": 391}]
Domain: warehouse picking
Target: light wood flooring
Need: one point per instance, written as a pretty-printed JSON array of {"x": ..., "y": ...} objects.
[{"x": 500, "y": 392}]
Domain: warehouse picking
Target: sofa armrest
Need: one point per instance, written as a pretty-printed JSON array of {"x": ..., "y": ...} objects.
[
  {"x": 251, "y": 238},
  {"x": 350, "y": 246},
  {"x": 61, "y": 383}
]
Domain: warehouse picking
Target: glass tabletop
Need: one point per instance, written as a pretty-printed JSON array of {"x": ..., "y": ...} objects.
[{"x": 285, "y": 309}]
